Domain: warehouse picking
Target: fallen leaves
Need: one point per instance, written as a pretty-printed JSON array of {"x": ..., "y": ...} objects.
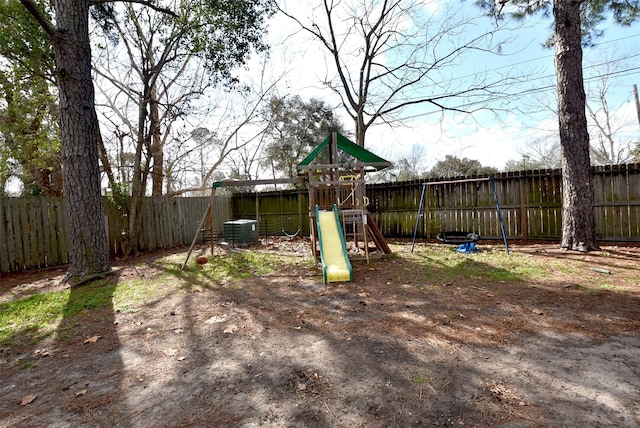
[
  {"x": 92, "y": 339},
  {"x": 216, "y": 319},
  {"x": 28, "y": 399},
  {"x": 306, "y": 383},
  {"x": 42, "y": 353},
  {"x": 505, "y": 394}
]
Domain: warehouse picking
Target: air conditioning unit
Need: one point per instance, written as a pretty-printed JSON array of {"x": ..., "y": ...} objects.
[{"x": 241, "y": 231}]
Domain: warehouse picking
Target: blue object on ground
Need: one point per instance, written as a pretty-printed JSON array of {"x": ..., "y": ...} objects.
[{"x": 468, "y": 248}]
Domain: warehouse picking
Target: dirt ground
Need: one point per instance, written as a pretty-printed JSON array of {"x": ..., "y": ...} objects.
[{"x": 408, "y": 343}]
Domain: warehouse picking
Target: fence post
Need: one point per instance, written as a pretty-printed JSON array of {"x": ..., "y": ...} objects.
[{"x": 524, "y": 223}]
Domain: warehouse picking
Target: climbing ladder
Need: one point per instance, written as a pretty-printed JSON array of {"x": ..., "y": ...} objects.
[{"x": 354, "y": 225}]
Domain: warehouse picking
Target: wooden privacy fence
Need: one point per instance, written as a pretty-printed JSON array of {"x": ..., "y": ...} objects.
[
  {"x": 530, "y": 202},
  {"x": 283, "y": 212},
  {"x": 33, "y": 230}
]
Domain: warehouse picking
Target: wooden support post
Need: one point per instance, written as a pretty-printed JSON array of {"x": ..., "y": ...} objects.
[
  {"x": 333, "y": 147},
  {"x": 195, "y": 236},
  {"x": 212, "y": 201},
  {"x": 377, "y": 237},
  {"x": 258, "y": 213}
]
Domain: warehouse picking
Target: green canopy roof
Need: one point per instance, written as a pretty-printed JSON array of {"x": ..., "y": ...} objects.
[{"x": 344, "y": 144}]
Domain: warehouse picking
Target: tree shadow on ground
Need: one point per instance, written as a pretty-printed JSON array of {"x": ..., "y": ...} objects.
[
  {"x": 77, "y": 373},
  {"x": 94, "y": 379},
  {"x": 411, "y": 342},
  {"x": 409, "y": 352}
]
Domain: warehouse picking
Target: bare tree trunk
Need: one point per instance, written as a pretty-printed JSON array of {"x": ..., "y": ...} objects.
[
  {"x": 139, "y": 179},
  {"x": 157, "y": 148},
  {"x": 578, "y": 201},
  {"x": 89, "y": 250}
]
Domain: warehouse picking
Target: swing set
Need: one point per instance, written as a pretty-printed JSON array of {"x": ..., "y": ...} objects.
[
  {"x": 282, "y": 225},
  {"x": 209, "y": 213},
  {"x": 457, "y": 237}
]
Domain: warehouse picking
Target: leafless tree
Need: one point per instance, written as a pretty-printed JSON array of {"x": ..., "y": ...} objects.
[
  {"x": 541, "y": 153},
  {"x": 406, "y": 167},
  {"x": 152, "y": 71},
  {"x": 608, "y": 143},
  {"x": 395, "y": 56},
  {"x": 236, "y": 138}
]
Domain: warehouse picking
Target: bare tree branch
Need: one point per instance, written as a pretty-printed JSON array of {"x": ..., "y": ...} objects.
[
  {"x": 390, "y": 55},
  {"x": 148, "y": 4},
  {"x": 40, "y": 17}
]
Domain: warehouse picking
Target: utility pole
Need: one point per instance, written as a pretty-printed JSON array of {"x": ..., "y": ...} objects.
[{"x": 635, "y": 96}]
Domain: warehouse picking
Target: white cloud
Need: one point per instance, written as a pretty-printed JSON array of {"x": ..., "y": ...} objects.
[{"x": 492, "y": 146}]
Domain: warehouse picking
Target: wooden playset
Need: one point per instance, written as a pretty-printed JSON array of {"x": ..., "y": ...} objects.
[{"x": 341, "y": 227}]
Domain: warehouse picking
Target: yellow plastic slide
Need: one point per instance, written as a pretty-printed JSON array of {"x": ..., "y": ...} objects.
[{"x": 336, "y": 266}]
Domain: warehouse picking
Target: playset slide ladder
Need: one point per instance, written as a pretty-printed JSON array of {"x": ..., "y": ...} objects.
[{"x": 336, "y": 266}]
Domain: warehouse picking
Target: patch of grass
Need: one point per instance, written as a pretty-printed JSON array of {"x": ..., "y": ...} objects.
[
  {"x": 421, "y": 378},
  {"x": 443, "y": 263},
  {"x": 37, "y": 316},
  {"x": 95, "y": 295},
  {"x": 24, "y": 365},
  {"x": 33, "y": 315},
  {"x": 233, "y": 268},
  {"x": 130, "y": 295},
  {"x": 393, "y": 256},
  {"x": 612, "y": 287}
]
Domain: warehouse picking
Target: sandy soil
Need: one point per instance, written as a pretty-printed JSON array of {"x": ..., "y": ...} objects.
[{"x": 408, "y": 343}]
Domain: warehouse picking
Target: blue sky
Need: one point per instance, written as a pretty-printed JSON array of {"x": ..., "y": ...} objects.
[{"x": 490, "y": 137}]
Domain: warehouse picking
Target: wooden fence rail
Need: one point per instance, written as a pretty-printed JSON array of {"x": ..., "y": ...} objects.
[{"x": 33, "y": 230}]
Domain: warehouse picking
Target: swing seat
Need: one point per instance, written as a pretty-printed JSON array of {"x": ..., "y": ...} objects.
[{"x": 457, "y": 237}]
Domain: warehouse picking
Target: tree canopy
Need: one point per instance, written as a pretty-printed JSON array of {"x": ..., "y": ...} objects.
[
  {"x": 29, "y": 134},
  {"x": 453, "y": 166},
  {"x": 295, "y": 128},
  {"x": 168, "y": 61},
  {"x": 66, "y": 25}
]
